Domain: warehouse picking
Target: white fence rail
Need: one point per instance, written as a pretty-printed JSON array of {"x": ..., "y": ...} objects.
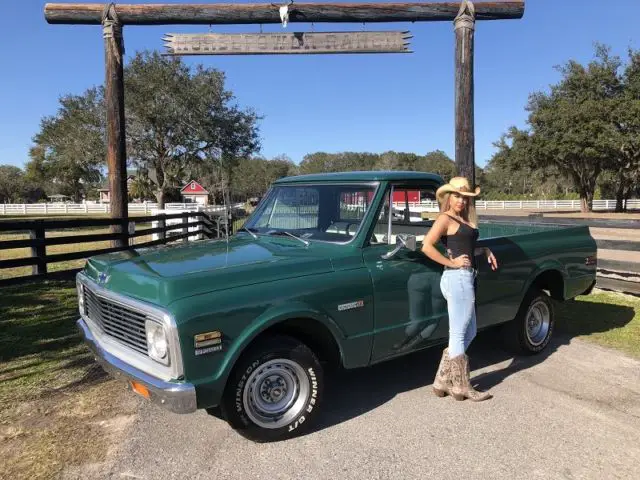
[
  {"x": 525, "y": 205},
  {"x": 96, "y": 208},
  {"x": 150, "y": 208}
]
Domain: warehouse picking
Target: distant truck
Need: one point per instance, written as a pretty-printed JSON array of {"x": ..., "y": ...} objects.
[{"x": 320, "y": 276}]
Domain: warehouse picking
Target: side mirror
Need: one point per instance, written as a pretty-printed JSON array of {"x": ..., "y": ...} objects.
[{"x": 403, "y": 240}]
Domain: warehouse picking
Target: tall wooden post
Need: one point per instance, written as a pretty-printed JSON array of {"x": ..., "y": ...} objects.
[
  {"x": 464, "y": 25},
  {"x": 114, "y": 100}
]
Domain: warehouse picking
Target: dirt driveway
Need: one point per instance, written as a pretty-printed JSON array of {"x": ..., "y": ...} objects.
[{"x": 573, "y": 412}]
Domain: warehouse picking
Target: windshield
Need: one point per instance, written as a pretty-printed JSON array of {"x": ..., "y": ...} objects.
[{"x": 313, "y": 212}]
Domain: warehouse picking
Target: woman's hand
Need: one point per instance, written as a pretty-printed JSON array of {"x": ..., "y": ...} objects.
[
  {"x": 492, "y": 260},
  {"x": 461, "y": 261}
]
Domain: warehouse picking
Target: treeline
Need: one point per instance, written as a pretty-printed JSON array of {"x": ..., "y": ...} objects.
[
  {"x": 584, "y": 133},
  {"x": 251, "y": 177},
  {"x": 581, "y": 140}
]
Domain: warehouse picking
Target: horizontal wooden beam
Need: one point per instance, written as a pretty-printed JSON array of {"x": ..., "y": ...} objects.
[{"x": 246, "y": 13}]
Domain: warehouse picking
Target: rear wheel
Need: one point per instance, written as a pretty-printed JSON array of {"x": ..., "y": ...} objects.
[
  {"x": 275, "y": 390},
  {"x": 533, "y": 326}
]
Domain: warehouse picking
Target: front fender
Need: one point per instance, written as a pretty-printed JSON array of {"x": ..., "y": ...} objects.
[
  {"x": 272, "y": 317},
  {"x": 240, "y": 327}
]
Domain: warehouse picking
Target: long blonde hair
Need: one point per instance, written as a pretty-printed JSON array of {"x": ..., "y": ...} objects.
[{"x": 469, "y": 213}]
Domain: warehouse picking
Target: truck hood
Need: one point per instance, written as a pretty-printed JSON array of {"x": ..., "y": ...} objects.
[{"x": 161, "y": 275}]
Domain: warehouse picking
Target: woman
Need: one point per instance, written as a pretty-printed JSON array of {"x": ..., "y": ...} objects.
[{"x": 457, "y": 228}]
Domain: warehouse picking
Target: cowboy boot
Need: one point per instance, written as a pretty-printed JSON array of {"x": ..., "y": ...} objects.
[
  {"x": 461, "y": 385},
  {"x": 442, "y": 382}
]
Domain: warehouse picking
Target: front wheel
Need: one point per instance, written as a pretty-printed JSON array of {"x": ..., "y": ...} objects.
[
  {"x": 275, "y": 390},
  {"x": 533, "y": 326}
]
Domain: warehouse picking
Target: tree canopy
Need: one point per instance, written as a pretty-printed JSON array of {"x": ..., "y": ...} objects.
[
  {"x": 69, "y": 149},
  {"x": 177, "y": 117},
  {"x": 587, "y": 124}
]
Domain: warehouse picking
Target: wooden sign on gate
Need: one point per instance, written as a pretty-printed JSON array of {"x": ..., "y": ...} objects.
[{"x": 287, "y": 43}]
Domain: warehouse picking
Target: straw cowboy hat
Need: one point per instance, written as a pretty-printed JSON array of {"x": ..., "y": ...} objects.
[{"x": 458, "y": 185}]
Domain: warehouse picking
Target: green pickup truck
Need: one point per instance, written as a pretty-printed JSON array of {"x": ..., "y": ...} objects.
[{"x": 326, "y": 273}]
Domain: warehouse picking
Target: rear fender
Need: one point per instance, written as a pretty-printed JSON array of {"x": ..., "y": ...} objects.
[{"x": 548, "y": 266}]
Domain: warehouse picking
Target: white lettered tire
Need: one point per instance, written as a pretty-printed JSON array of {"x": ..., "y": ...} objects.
[
  {"x": 530, "y": 332},
  {"x": 275, "y": 390}
]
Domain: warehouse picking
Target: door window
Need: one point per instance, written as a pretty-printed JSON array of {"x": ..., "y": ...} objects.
[{"x": 408, "y": 209}]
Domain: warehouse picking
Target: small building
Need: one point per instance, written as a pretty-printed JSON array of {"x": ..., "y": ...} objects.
[
  {"x": 193, "y": 192},
  {"x": 59, "y": 198},
  {"x": 104, "y": 193}
]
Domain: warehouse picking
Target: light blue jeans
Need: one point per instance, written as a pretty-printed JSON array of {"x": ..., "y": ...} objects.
[{"x": 457, "y": 286}]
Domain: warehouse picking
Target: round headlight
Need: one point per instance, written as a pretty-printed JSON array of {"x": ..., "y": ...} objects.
[{"x": 157, "y": 346}]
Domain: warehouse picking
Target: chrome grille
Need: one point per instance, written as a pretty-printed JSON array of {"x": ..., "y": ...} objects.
[{"x": 118, "y": 321}]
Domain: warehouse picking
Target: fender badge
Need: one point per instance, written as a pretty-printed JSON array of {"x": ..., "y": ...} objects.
[
  {"x": 208, "y": 342},
  {"x": 352, "y": 305},
  {"x": 202, "y": 351}
]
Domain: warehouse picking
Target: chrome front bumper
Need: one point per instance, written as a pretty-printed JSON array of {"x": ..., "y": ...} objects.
[{"x": 175, "y": 397}]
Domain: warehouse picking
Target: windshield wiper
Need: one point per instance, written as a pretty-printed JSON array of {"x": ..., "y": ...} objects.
[
  {"x": 284, "y": 232},
  {"x": 250, "y": 230}
]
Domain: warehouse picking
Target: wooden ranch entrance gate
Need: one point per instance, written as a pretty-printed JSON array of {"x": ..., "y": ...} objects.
[{"x": 464, "y": 15}]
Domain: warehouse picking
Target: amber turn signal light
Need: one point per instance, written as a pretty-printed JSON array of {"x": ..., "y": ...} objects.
[{"x": 140, "y": 389}]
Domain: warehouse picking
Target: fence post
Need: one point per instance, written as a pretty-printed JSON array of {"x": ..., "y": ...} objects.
[
  {"x": 131, "y": 229},
  {"x": 124, "y": 232},
  {"x": 39, "y": 250},
  {"x": 162, "y": 235},
  {"x": 185, "y": 229}
]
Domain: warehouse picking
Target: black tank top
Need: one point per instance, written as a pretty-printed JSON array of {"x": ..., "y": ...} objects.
[{"x": 462, "y": 242}]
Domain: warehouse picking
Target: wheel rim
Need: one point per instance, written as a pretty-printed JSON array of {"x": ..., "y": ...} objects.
[
  {"x": 276, "y": 393},
  {"x": 538, "y": 322}
]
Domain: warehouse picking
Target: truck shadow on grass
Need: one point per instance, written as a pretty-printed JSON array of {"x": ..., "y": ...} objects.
[
  {"x": 39, "y": 340},
  {"x": 352, "y": 393}
]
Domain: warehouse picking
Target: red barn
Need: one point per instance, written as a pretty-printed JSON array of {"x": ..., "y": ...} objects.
[
  {"x": 401, "y": 196},
  {"x": 193, "y": 192}
]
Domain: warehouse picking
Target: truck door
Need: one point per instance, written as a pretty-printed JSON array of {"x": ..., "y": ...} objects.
[{"x": 409, "y": 308}]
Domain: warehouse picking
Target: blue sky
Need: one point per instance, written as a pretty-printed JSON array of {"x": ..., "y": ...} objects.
[{"x": 332, "y": 103}]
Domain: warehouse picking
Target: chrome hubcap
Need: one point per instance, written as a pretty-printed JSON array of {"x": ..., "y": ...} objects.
[
  {"x": 276, "y": 393},
  {"x": 538, "y": 321}
]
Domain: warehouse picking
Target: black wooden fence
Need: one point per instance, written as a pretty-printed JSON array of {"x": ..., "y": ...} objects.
[{"x": 210, "y": 226}]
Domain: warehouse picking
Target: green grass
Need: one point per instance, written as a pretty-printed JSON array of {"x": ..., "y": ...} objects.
[
  {"x": 606, "y": 318},
  {"x": 53, "y": 412},
  {"x": 39, "y": 346}
]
